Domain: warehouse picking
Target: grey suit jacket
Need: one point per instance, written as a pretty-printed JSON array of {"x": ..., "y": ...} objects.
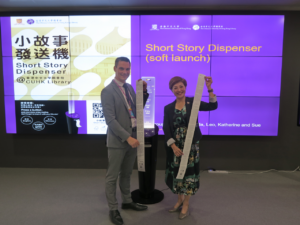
[{"x": 116, "y": 115}]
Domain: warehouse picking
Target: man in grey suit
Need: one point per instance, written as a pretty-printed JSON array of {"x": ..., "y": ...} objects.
[{"x": 118, "y": 102}]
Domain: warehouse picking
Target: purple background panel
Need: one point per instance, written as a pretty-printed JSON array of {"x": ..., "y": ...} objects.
[
  {"x": 6, "y": 36},
  {"x": 245, "y": 110},
  {"x": 203, "y": 118},
  {"x": 161, "y": 102},
  {"x": 186, "y": 35},
  {"x": 135, "y": 70},
  {"x": 8, "y": 75},
  {"x": 135, "y": 35},
  {"x": 135, "y": 50},
  {"x": 265, "y": 31},
  {"x": 80, "y": 108},
  {"x": 246, "y": 76},
  {"x": 10, "y": 114},
  {"x": 164, "y": 71}
]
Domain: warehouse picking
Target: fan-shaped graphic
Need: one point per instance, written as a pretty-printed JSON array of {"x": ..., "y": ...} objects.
[
  {"x": 104, "y": 69},
  {"x": 111, "y": 43},
  {"x": 80, "y": 43}
]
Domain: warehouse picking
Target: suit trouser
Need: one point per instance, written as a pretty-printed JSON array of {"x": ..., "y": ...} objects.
[{"x": 120, "y": 164}]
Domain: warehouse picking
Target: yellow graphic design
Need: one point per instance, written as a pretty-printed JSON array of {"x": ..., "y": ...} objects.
[
  {"x": 111, "y": 43},
  {"x": 104, "y": 70},
  {"x": 83, "y": 71},
  {"x": 79, "y": 44}
]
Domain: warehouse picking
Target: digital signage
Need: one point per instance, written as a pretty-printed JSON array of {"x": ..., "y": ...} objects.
[{"x": 54, "y": 68}]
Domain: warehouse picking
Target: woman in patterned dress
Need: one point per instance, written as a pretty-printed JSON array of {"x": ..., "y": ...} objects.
[{"x": 176, "y": 120}]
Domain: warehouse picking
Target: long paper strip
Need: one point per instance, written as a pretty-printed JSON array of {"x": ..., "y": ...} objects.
[
  {"x": 191, "y": 127},
  {"x": 140, "y": 126}
]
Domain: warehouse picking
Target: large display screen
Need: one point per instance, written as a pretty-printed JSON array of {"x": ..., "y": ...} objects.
[
  {"x": 298, "y": 118},
  {"x": 54, "y": 68}
]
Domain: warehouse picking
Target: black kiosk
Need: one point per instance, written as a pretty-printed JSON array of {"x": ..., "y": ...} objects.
[{"x": 147, "y": 194}]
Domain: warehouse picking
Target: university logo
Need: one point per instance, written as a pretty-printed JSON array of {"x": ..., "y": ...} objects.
[
  {"x": 20, "y": 79},
  {"x": 19, "y": 22},
  {"x": 30, "y": 21},
  {"x": 154, "y": 27},
  {"x": 196, "y": 27}
]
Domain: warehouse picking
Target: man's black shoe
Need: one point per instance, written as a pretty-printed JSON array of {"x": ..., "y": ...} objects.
[
  {"x": 134, "y": 206},
  {"x": 115, "y": 217}
]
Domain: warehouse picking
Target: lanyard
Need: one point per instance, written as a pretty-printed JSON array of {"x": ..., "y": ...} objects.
[{"x": 128, "y": 103}]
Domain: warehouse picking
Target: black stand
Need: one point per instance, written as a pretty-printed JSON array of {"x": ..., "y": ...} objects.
[{"x": 146, "y": 194}]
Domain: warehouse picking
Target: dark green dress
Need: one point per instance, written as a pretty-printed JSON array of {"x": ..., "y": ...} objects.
[{"x": 190, "y": 182}]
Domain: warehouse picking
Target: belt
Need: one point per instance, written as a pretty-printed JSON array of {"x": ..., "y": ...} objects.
[{"x": 134, "y": 129}]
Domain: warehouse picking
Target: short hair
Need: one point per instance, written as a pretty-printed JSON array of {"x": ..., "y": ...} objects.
[
  {"x": 124, "y": 59},
  {"x": 176, "y": 80}
]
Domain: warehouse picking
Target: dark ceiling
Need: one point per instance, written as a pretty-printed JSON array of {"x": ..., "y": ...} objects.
[{"x": 71, "y": 5}]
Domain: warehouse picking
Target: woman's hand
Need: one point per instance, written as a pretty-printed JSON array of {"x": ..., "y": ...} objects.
[
  {"x": 208, "y": 82},
  {"x": 176, "y": 150}
]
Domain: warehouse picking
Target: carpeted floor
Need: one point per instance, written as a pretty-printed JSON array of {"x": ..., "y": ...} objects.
[{"x": 76, "y": 197}]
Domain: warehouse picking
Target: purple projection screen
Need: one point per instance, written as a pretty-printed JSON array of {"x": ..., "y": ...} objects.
[
  {"x": 241, "y": 53},
  {"x": 54, "y": 68}
]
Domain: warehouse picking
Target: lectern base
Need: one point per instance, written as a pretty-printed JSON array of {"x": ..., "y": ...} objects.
[{"x": 155, "y": 197}]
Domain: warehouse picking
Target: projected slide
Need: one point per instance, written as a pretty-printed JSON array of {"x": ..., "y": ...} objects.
[
  {"x": 54, "y": 68},
  {"x": 242, "y": 54}
]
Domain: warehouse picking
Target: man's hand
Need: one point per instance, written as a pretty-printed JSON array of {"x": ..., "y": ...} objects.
[
  {"x": 176, "y": 150},
  {"x": 208, "y": 82},
  {"x": 133, "y": 142},
  {"x": 144, "y": 85}
]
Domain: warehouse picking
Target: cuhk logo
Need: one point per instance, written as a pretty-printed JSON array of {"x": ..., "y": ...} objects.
[
  {"x": 196, "y": 27},
  {"x": 30, "y": 21},
  {"x": 19, "y": 22},
  {"x": 20, "y": 79},
  {"x": 154, "y": 27}
]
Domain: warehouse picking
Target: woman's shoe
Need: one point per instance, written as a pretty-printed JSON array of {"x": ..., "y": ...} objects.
[
  {"x": 175, "y": 210},
  {"x": 182, "y": 216}
]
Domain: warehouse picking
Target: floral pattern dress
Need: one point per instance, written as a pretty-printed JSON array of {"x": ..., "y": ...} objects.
[{"x": 190, "y": 183}]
